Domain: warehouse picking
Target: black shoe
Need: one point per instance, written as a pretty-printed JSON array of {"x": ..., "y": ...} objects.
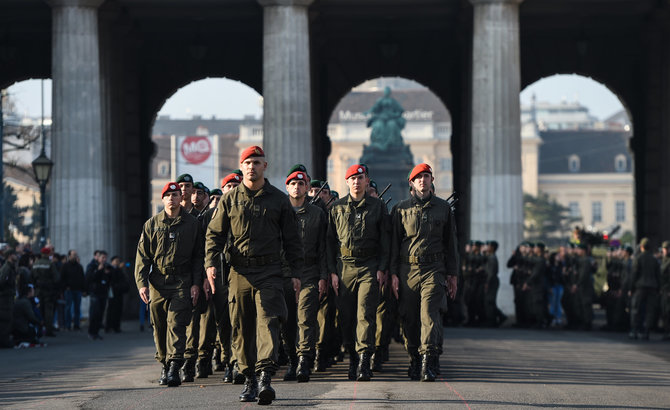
[
  {"x": 435, "y": 364},
  {"x": 353, "y": 365},
  {"x": 173, "y": 374},
  {"x": 201, "y": 369},
  {"x": 363, "y": 373},
  {"x": 302, "y": 373},
  {"x": 320, "y": 361},
  {"x": 188, "y": 371},
  {"x": 427, "y": 374},
  {"x": 377, "y": 359},
  {"x": 228, "y": 373},
  {"x": 250, "y": 391},
  {"x": 291, "y": 369},
  {"x": 238, "y": 378},
  {"x": 265, "y": 392},
  {"x": 162, "y": 381},
  {"x": 218, "y": 365},
  {"x": 414, "y": 371}
]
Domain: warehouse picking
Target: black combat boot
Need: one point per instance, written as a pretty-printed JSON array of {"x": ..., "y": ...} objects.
[
  {"x": 302, "y": 374},
  {"x": 162, "y": 381},
  {"x": 427, "y": 374},
  {"x": 291, "y": 369},
  {"x": 435, "y": 364},
  {"x": 320, "y": 361},
  {"x": 250, "y": 391},
  {"x": 414, "y": 371},
  {"x": 218, "y": 364},
  {"x": 201, "y": 369},
  {"x": 265, "y": 392},
  {"x": 188, "y": 371},
  {"x": 377, "y": 359},
  {"x": 228, "y": 373},
  {"x": 364, "y": 374},
  {"x": 238, "y": 378},
  {"x": 173, "y": 374},
  {"x": 353, "y": 365}
]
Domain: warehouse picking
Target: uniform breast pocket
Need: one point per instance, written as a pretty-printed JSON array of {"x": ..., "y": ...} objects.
[
  {"x": 173, "y": 239},
  {"x": 410, "y": 221}
]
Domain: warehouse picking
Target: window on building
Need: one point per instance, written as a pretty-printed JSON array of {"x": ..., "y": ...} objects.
[
  {"x": 573, "y": 163},
  {"x": 575, "y": 212},
  {"x": 620, "y": 211},
  {"x": 163, "y": 169},
  {"x": 620, "y": 163},
  {"x": 331, "y": 166},
  {"x": 596, "y": 211},
  {"x": 445, "y": 164}
]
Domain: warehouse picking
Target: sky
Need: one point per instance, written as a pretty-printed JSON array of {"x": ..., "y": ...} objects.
[{"x": 225, "y": 98}]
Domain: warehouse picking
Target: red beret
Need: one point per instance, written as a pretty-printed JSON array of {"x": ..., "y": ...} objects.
[
  {"x": 419, "y": 169},
  {"x": 170, "y": 187},
  {"x": 297, "y": 175},
  {"x": 231, "y": 178},
  {"x": 254, "y": 151},
  {"x": 355, "y": 170}
]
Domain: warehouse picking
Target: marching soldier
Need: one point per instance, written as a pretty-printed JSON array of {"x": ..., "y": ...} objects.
[
  {"x": 534, "y": 286},
  {"x": 358, "y": 246},
  {"x": 185, "y": 182},
  {"x": 424, "y": 260},
  {"x": 261, "y": 224},
  {"x": 169, "y": 274},
  {"x": 645, "y": 282},
  {"x": 312, "y": 226},
  {"x": 494, "y": 317},
  {"x": 46, "y": 279}
]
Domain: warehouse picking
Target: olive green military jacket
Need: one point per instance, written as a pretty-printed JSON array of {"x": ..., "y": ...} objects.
[
  {"x": 491, "y": 268},
  {"x": 261, "y": 224},
  {"x": 170, "y": 252},
  {"x": 46, "y": 276},
  {"x": 358, "y": 232},
  {"x": 537, "y": 266},
  {"x": 646, "y": 271},
  {"x": 424, "y": 233},
  {"x": 8, "y": 280},
  {"x": 313, "y": 225}
]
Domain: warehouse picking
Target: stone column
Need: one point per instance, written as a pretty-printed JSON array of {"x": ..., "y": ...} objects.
[
  {"x": 496, "y": 197},
  {"x": 287, "y": 113},
  {"x": 77, "y": 208}
]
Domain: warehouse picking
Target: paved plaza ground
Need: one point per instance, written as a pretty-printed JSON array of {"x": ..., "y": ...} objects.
[{"x": 482, "y": 369}]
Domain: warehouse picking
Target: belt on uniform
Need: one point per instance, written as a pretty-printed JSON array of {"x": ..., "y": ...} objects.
[
  {"x": 311, "y": 261},
  {"x": 421, "y": 259},
  {"x": 359, "y": 253},
  {"x": 252, "y": 261},
  {"x": 175, "y": 270}
]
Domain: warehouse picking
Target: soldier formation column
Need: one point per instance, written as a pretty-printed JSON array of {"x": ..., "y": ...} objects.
[
  {"x": 496, "y": 195},
  {"x": 77, "y": 208},
  {"x": 287, "y": 113}
]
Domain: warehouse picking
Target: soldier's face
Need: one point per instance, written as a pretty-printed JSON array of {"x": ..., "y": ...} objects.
[
  {"x": 186, "y": 189},
  {"x": 372, "y": 191},
  {"x": 357, "y": 184},
  {"x": 229, "y": 186},
  {"x": 325, "y": 195},
  {"x": 423, "y": 182},
  {"x": 313, "y": 191},
  {"x": 665, "y": 251},
  {"x": 103, "y": 258},
  {"x": 254, "y": 168},
  {"x": 297, "y": 188},
  {"x": 172, "y": 200},
  {"x": 214, "y": 201},
  {"x": 199, "y": 198}
]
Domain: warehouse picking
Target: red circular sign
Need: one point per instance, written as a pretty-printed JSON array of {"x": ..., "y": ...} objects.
[{"x": 196, "y": 150}]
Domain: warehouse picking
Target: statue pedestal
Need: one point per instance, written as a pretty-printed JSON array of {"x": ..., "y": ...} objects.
[{"x": 389, "y": 166}]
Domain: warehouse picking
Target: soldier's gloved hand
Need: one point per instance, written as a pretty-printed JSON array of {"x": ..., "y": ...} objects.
[
  {"x": 144, "y": 294},
  {"x": 323, "y": 288},
  {"x": 296, "y": 288},
  {"x": 195, "y": 292},
  {"x": 395, "y": 286},
  {"x": 335, "y": 283},
  {"x": 211, "y": 276},
  {"x": 452, "y": 286}
]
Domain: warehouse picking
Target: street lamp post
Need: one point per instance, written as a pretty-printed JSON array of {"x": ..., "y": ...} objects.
[{"x": 42, "y": 167}]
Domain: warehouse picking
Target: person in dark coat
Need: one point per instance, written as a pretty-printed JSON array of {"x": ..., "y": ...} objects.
[{"x": 74, "y": 286}]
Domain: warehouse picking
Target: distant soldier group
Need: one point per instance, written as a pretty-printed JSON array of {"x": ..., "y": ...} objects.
[{"x": 256, "y": 271}]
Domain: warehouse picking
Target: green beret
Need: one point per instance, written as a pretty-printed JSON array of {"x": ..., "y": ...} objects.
[
  {"x": 629, "y": 250},
  {"x": 530, "y": 244},
  {"x": 478, "y": 243},
  {"x": 297, "y": 167},
  {"x": 540, "y": 245},
  {"x": 524, "y": 243},
  {"x": 200, "y": 185},
  {"x": 644, "y": 242},
  {"x": 216, "y": 191},
  {"x": 238, "y": 172},
  {"x": 666, "y": 244},
  {"x": 367, "y": 169},
  {"x": 492, "y": 243},
  {"x": 185, "y": 178},
  {"x": 316, "y": 183},
  {"x": 335, "y": 194},
  {"x": 373, "y": 184}
]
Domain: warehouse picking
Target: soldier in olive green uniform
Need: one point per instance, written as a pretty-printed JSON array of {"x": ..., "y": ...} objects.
[
  {"x": 534, "y": 286},
  {"x": 47, "y": 282},
  {"x": 424, "y": 259},
  {"x": 7, "y": 293},
  {"x": 494, "y": 317},
  {"x": 645, "y": 281},
  {"x": 261, "y": 224},
  {"x": 358, "y": 246},
  {"x": 312, "y": 225},
  {"x": 665, "y": 289},
  {"x": 169, "y": 274},
  {"x": 615, "y": 298}
]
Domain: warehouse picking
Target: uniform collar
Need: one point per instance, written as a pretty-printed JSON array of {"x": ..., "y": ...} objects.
[
  {"x": 362, "y": 203},
  {"x": 426, "y": 203},
  {"x": 166, "y": 218},
  {"x": 264, "y": 189}
]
